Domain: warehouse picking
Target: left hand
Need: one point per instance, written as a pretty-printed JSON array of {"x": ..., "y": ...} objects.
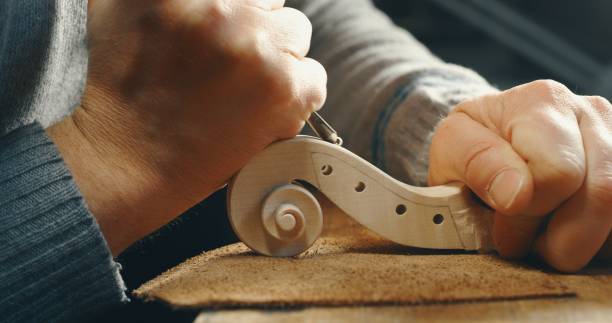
[{"x": 534, "y": 151}]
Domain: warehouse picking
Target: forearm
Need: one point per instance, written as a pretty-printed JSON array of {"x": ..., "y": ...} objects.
[{"x": 387, "y": 92}]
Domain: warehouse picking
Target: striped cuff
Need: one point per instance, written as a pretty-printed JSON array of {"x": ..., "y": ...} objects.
[
  {"x": 54, "y": 263},
  {"x": 404, "y": 127}
]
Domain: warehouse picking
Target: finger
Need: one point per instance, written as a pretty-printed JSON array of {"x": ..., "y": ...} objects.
[
  {"x": 464, "y": 150},
  {"x": 541, "y": 126},
  {"x": 581, "y": 226},
  {"x": 305, "y": 80},
  {"x": 291, "y": 31},
  {"x": 538, "y": 120},
  {"x": 311, "y": 86},
  {"x": 266, "y": 4},
  {"x": 513, "y": 236}
]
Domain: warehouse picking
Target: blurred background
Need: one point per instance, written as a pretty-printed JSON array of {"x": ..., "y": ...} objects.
[{"x": 515, "y": 41}]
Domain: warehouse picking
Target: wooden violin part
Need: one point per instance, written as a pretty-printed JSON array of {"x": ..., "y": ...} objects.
[{"x": 273, "y": 211}]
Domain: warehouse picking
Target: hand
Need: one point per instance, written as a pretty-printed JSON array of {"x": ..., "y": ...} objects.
[
  {"x": 180, "y": 95},
  {"x": 533, "y": 153}
]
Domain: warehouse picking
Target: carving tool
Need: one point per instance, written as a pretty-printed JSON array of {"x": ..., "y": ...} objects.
[{"x": 323, "y": 129}]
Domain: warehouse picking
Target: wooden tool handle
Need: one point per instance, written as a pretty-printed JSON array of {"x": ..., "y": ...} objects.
[{"x": 272, "y": 212}]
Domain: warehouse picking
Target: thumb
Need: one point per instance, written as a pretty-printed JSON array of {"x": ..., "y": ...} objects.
[{"x": 465, "y": 150}]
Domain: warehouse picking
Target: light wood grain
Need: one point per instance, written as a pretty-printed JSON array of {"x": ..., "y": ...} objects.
[{"x": 442, "y": 217}]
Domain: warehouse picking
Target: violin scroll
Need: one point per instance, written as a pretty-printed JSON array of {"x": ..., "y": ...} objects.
[{"x": 274, "y": 216}]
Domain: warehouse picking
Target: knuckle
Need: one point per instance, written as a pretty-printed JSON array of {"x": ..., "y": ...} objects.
[
  {"x": 249, "y": 51},
  {"x": 208, "y": 13},
  {"x": 600, "y": 101},
  {"x": 294, "y": 32},
  {"x": 463, "y": 106},
  {"x": 241, "y": 52},
  {"x": 217, "y": 9},
  {"x": 283, "y": 86},
  {"x": 600, "y": 104},
  {"x": 549, "y": 86},
  {"x": 569, "y": 171},
  {"x": 300, "y": 18},
  {"x": 229, "y": 30},
  {"x": 253, "y": 46},
  {"x": 550, "y": 90},
  {"x": 283, "y": 92},
  {"x": 290, "y": 87}
]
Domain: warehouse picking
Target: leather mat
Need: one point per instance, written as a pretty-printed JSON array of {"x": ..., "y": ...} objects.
[{"x": 349, "y": 265}]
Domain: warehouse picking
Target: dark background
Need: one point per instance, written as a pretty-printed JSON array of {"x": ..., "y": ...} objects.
[
  {"x": 509, "y": 42},
  {"x": 565, "y": 40}
]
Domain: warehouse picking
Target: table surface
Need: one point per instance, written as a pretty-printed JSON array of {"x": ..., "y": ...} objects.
[
  {"x": 537, "y": 310},
  {"x": 592, "y": 303}
]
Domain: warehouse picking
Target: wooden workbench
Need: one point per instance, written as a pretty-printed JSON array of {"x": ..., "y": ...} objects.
[
  {"x": 589, "y": 296},
  {"x": 592, "y": 304}
]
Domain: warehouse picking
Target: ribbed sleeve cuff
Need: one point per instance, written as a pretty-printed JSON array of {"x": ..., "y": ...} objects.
[
  {"x": 405, "y": 124},
  {"x": 54, "y": 262}
]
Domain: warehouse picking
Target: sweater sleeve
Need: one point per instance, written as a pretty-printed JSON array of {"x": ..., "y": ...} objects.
[
  {"x": 386, "y": 91},
  {"x": 54, "y": 262}
]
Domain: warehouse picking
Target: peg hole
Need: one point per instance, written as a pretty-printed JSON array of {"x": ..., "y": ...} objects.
[
  {"x": 360, "y": 187},
  {"x": 400, "y": 209},
  {"x": 438, "y": 219},
  {"x": 327, "y": 170}
]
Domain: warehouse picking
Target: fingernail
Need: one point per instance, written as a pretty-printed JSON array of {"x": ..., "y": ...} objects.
[{"x": 505, "y": 187}]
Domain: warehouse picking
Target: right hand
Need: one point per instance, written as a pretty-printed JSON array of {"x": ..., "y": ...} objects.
[
  {"x": 541, "y": 157},
  {"x": 180, "y": 95}
]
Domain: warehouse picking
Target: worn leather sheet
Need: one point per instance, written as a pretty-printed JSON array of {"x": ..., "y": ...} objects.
[{"x": 349, "y": 265}]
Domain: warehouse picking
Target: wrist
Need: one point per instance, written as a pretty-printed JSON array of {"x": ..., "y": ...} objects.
[{"x": 114, "y": 187}]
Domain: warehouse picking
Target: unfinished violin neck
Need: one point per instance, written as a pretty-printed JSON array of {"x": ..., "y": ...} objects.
[{"x": 274, "y": 212}]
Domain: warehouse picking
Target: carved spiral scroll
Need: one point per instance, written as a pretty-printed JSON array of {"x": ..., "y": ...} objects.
[
  {"x": 275, "y": 217},
  {"x": 293, "y": 216}
]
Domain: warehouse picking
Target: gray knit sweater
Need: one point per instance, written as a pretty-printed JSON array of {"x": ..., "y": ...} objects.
[{"x": 386, "y": 95}]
